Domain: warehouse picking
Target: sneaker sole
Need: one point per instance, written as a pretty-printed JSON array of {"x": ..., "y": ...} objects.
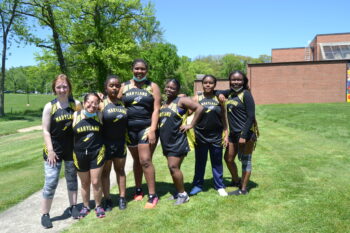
[
  {"x": 151, "y": 205},
  {"x": 138, "y": 198}
]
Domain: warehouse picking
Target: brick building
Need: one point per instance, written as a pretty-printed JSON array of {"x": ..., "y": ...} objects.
[{"x": 317, "y": 73}]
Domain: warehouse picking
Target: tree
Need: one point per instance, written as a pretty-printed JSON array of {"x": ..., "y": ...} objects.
[
  {"x": 163, "y": 61},
  {"x": 8, "y": 18}
]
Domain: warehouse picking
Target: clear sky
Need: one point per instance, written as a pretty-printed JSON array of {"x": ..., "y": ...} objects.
[{"x": 244, "y": 27}]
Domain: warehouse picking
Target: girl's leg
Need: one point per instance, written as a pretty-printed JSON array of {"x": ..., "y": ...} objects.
[
  {"x": 95, "y": 175},
  {"x": 51, "y": 181},
  {"x": 145, "y": 156},
  {"x": 174, "y": 165},
  {"x": 230, "y": 155},
  {"x": 70, "y": 173},
  {"x": 137, "y": 168},
  {"x": 201, "y": 156},
  {"x": 105, "y": 178},
  {"x": 119, "y": 167},
  {"x": 247, "y": 151},
  {"x": 216, "y": 165},
  {"x": 85, "y": 187}
]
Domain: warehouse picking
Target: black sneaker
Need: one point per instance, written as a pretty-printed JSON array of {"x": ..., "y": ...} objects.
[
  {"x": 236, "y": 184},
  {"x": 74, "y": 212},
  {"x": 152, "y": 201},
  {"x": 122, "y": 203},
  {"x": 238, "y": 192},
  {"x": 181, "y": 199},
  {"x": 46, "y": 221},
  {"x": 108, "y": 204}
]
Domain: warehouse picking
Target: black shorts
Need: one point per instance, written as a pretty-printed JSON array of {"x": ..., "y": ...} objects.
[
  {"x": 234, "y": 136},
  {"x": 86, "y": 160},
  {"x": 135, "y": 137},
  {"x": 115, "y": 150}
]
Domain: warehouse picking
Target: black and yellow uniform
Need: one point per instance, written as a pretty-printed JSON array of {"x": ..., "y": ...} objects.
[
  {"x": 61, "y": 130},
  {"x": 174, "y": 142},
  {"x": 209, "y": 128},
  {"x": 88, "y": 145},
  {"x": 241, "y": 115},
  {"x": 114, "y": 119},
  {"x": 139, "y": 104}
]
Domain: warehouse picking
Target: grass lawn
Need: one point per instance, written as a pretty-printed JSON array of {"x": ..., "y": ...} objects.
[
  {"x": 300, "y": 182},
  {"x": 18, "y": 115}
]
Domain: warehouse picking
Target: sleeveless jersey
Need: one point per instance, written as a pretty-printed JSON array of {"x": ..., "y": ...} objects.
[
  {"x": 238, "y": 112},
  {"x": 61, "y": 129},
  {"x": 209, "y": 128},
  {"x": 114, "y": 121},
  {"x": 139, "y": 103},
  {"x": 173, "y": 141},
  {"x": 87, "y": 134}
]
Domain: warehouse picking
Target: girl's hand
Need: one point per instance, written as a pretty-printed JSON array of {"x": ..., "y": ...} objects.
[
  {"x": 52, "y": 158},
  {"x": 151, "y": 137},
  {"x": 242, "y": 141},
  {"x": 184, "y": 128}
]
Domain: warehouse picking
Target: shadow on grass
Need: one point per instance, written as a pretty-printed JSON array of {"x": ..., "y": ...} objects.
[{"x": 29, "y": 115}]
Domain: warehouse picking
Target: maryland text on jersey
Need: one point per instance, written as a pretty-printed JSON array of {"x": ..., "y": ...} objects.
[
  {"x": 111, "y": 110},
  {"x": 87, "y": 128}
]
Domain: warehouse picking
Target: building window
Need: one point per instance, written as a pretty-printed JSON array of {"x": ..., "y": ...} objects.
[{"x": 335, "y": 51}]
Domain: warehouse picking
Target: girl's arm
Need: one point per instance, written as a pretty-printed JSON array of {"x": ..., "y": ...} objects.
[
  {"x": 46, "y": 122},
  {"x": 188, "y": 103}
]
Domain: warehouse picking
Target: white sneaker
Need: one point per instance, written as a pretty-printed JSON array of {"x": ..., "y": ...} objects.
[{"x": 222, "y": 192}]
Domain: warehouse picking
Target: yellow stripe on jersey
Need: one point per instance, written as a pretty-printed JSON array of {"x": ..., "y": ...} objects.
[
  {"x": 75, "y": 159},
  {"x": 101, "y": 155}
]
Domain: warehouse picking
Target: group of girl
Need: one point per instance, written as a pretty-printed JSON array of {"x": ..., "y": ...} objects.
[{"x": 89, "y": 138}]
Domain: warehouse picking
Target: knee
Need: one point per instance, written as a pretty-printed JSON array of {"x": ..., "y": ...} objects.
[
  {"x": 229, "y": 159},
  {"x": 172, "y": 168},
  {"x": 146, "y": 163}
]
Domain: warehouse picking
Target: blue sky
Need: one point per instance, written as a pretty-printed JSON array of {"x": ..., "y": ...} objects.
[{"x": 250, "y": 28}]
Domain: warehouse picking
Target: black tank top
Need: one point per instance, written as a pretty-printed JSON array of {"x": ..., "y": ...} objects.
[
  {"x": 61, "y": 130},
  {"x": 170, "y": 121},
  {"x": 87, "y": 134},
  {"x": 114, "y": 119},
  {"x": 209, "y": 128},
  {"x": 139, "y": 103}
]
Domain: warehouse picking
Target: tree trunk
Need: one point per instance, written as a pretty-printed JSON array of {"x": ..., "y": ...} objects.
[
  {"x": 56, "y": 39},
  {"x": 3, "y": 75}
]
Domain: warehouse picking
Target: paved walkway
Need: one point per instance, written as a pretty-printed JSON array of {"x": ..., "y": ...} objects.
[{"x": 26, "y": 216}]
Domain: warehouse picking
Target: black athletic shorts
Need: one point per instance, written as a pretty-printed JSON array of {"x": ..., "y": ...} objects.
[
  {"x": 85, "y": 160},
  {"x": 135, "y": 137},
  {"x": 115, "y": 150},
  {"x": 234, "y": 136}
]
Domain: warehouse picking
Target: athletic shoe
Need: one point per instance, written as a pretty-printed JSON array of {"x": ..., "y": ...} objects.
[
  {"x": 122, "y": 203},
  {"x": 100, "y": 212},
  {"x": 84, "y": 212},
  {"x": 238, "y": 192},
  {"x": 152, "y": 201},
  {"x": 108, "y": 204},
  {"x": 138, "y": 196},
  {"x": 236, "y": 184},
  {"x": 222, "y": 192},
  {"x": 195, "y": 190},
  {"x": 46, "y": 221},
  {"x": 74, "y": 212},
  {"x": 173, "y": 196},
  {"x": 181, "y": 199}
]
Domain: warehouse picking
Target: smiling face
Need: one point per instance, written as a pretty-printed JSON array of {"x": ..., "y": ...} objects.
[
  {"x": 236, "y": 80},
  {"x": 208, "y": 84},
  {"x": 112, "y": 88},
  {"x": 171, "y": 89},
  {"x": 91, "y": 103},
  {"x": 62, "y": 88},
  {"x": 139, "y": 70}
]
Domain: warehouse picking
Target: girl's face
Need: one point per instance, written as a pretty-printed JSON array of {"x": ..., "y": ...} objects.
[
  {"x": 236, "y": 80},
  {"x": 91, "y": 104},
  {"x": 62, "y": 88},
  {"x": 113, "y": 87},
  {"x": 208, "y": 85},
  {"x": 139, "y": 70},
  {"x": 171, "y": 89}
]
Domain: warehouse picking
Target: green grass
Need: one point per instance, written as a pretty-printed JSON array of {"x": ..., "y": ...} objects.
[
  {"x": 300, "y": 182},
  {"x": 18, "y": 115},
  {"x": 21, "y": 167}
]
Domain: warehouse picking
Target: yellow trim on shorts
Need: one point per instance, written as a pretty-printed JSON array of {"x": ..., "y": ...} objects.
[
  {"x": 101, "y": 155},
  {"x": 75, "y": 159}
]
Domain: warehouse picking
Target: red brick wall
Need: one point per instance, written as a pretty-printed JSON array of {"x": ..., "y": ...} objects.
[
  {"x": 298, "y": 82},
  {"x": 288, "y": 54},
  {"x": 329, "y": 39}
]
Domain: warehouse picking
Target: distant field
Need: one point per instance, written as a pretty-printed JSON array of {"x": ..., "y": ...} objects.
[{"x": 19, "y": 114}]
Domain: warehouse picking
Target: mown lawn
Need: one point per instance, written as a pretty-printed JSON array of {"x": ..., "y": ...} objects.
[
  {"x": 300, "y": 182},
  {"x": 19, "y": 115}
]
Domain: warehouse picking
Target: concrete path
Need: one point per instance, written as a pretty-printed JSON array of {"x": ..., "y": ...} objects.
[{"x": 26, "y": 216}]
